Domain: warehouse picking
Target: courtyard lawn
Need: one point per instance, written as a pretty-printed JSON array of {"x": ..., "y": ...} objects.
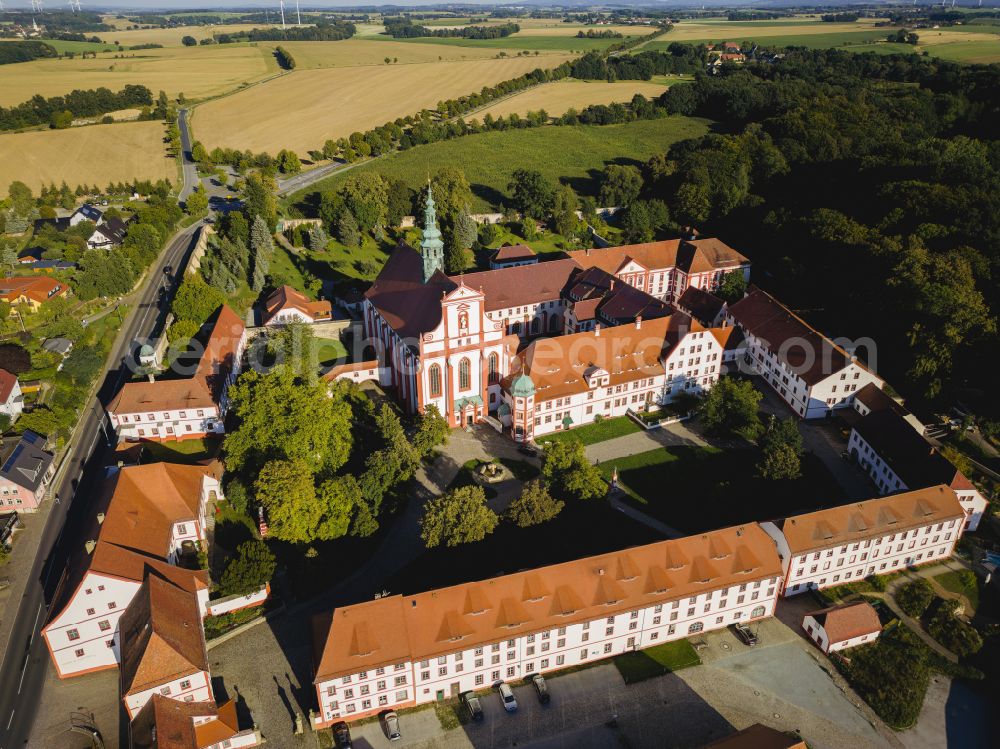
[
  {"x": 696, "y": 489},
  {"x": 656, "y": 661},
  {"x": 963, "y": 582},
  {"x": 183, "y": 451},
  {"x": 598, "y": 431},
  {"x": 330, "y": 351}
]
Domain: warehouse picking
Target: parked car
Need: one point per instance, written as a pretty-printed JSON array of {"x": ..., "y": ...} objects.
[
  {"x": 390, "y": 724},
  {"x": 507, "y": 697},
  {"x": 746, "y": 635},
  {"x": 541, "y": 688},
  {"x": 471, "y": 702},
  {"x": 528, "y": 450},
  {"x": 342, "y": 735}
]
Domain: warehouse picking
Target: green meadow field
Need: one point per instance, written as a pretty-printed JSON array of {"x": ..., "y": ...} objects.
[
  {"x": 541, "y": 43},
  {"x": 577, "y": 154}
]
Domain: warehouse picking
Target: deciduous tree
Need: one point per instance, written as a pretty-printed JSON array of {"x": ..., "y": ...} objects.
[
  {"x": 568, "y": 472},
  {"x": 459, "y": 517},
  {"x": 247, "y": 572},
  {"x": 284, "y": 488},
  {"x": 730, "y": 408},
  {"x": 534, "y": 506}
]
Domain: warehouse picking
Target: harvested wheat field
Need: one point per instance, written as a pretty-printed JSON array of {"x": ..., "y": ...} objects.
[
  {"x": 353, "y": 52},
  {"x": 737, "y": 31},
  {"x": 172, "y": 37},
  {"x": 197, "y": 72},
  {"x": 95, "y": 154},
  {"x": 559, "y": 97},
  {"x": 302, "y": 110}
]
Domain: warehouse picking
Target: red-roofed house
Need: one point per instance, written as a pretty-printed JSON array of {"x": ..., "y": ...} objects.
[
  {"x": 151, "y": 511},
  {"x": 163, "y": 647},
  {"x": 286, "y": 305},
  {"x": 31, "y": 291},
  {"x": 166, "y": 723},
  {"x": 511, "y": 255},
  {"x": 184, "y": 408},
  {"x": 842, "y": 627},
  {"x": 11, "y": 399}
]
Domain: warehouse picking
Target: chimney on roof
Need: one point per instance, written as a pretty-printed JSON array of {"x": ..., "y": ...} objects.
[
  {"x": 100, "y": 518},
  {"x": 90, "y": 546},
  {"x": 597, "y": 330},
  {"x": 612, "y": 284},
  {"x": 600, "y": 570},
  {"x": 151, "y": 376},
  {"x": 588, "y": 252},
  {"x": 638, "y": 322}
]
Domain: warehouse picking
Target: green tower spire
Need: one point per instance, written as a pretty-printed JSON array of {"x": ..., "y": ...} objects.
[{"x": 431, "y": 246}]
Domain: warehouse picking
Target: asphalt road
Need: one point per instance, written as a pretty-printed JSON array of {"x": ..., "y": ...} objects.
[
  {"x": 303, "y": 180},
  {"x": 26, "y": 657},
  {"x": 190, "y": 170}
]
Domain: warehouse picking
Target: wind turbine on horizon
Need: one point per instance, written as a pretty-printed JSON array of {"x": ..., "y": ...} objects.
[
  {"x": 298, "y": 16},
  {"x": 281, "y": 4}
]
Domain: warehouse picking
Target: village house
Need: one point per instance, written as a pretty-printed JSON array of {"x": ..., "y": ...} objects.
[
  {"x": 86, "y": 212},
  {"x": 841, "y": 627},
  {"x": 886, "y": 443},
  {"x": 400, "y": 651},
  {"x": 286, "y": 305},
  {"x": 165, "y": 723},
  {"x": 666, "y": 269},
  {"x": 11, "y": 397},
  {"x": 109, "y": 234},
  {"x": 186, "y": 408},
  {"x": 153, "y": 515},
  {"x": 162, "y": 647},
  {"x": 876, "y": 537},
  {"x": 556, "y": 383},
  {"x": 31, "y": 291},
  {"x": 451, "y": 342},
  {"x": 810, "y": 372},
  {"x": 26, "y": 473}
]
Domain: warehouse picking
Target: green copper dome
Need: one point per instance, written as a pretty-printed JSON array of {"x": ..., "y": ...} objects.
[{"x": 522, "y": 387}]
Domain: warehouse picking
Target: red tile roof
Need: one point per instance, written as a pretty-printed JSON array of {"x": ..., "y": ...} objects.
[
  {"x": 520, "y": 285},
  {"x": 397, "y": 628},
  {"x": 203, "y": 390},
  {"x": 512, "y": 252},
  {"x": 7, "y": 383},
  {"x": 37, "y": 288},
  {"x": 148, "y": 500},
  {"x": 869, "y": 519},
  {"x": 690, "y": 256},
  {"x": 847, "y": 621},
  {"x": 285, "y": 297},
  {"x": 165, "y": 723},
  {"x": 557, "y": 366},
  {"x": 162, "y": 395},
  {"x": 161, "y": 637},
  {"x": 758, "y": 736}
]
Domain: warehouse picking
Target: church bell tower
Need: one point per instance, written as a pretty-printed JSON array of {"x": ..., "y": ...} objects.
[{"x": 431, "y": 246}]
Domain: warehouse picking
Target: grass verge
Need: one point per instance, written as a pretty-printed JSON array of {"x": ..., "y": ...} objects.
[
  {"x": 656, "y": 661},
  {"x": 598, "y": 431}
]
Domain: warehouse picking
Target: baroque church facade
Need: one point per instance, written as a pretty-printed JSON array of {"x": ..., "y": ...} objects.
[{"x": 458, "y": 342}]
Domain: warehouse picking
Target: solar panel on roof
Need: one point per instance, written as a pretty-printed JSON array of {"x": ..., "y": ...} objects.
[{"x": 13, "y": 458}]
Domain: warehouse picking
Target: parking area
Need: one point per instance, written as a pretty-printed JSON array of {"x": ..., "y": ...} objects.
[
  {"x": 91, "y": 698},
  {"x": 779, "y": 682}
]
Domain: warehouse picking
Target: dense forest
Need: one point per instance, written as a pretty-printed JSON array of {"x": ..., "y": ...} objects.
[
  {"x": 866, "y": 189},
  {"x": 39, "y": 111},
  {"x": 11, "y": 52},
  {"x": 403, "y": 28}
]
